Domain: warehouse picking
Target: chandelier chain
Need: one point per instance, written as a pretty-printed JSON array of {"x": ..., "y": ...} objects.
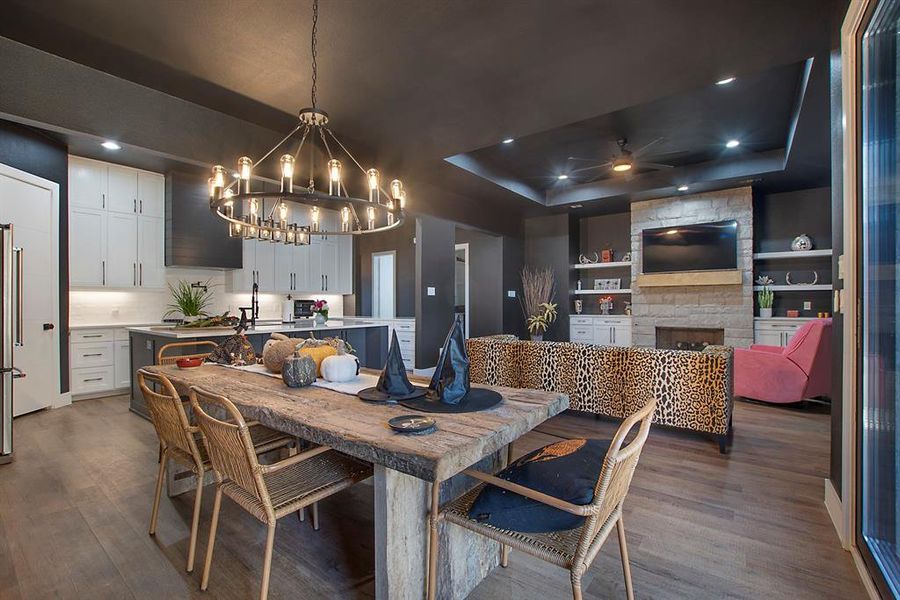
[{"x": 313, "y": 51}]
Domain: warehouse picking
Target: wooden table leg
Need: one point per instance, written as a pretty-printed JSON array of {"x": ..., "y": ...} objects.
[{"x": 401, "y": 539}]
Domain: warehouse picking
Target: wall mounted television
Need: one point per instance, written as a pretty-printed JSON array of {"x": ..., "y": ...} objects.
[{"x": 698, "y": 247}]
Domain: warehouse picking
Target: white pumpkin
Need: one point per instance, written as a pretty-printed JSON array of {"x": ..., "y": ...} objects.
[{"x": 339, "y": 368}]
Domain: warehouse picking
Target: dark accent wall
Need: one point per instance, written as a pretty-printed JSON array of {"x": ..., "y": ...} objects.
[
  {"x": 837, "y": 243},
  {"x": 35, "y": 152},
  {"x": 195, "y": 237},
  {"x": 513, "y": 260},
  {"x": 548, "y": 243},
  {"x": 485, "y": 281},
  {"x": 594, "y": 234},
  {"x": 435, "y": 267},
  {"x": 777, "y": 220},
  {"x": 399, "y": 240}
]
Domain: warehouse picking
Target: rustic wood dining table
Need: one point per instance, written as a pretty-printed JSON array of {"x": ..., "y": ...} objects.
[{"x": 405, "y": 466}]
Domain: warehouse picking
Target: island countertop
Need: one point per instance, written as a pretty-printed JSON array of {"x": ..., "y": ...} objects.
[{"x": 300, "y": 326}]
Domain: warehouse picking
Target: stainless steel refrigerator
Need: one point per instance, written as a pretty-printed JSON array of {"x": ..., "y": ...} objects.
[{"x": 11, "y": 324}]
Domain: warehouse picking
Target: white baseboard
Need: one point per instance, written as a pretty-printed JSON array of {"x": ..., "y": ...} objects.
[
  {"x": 867, "y": 582},
  {"x": 835, "y": 509}
]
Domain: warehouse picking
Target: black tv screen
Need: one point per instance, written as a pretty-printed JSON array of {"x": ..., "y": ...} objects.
[{"x": 700, "y": 247}]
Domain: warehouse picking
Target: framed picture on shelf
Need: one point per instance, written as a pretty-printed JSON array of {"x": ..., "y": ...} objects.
[{"x": 608, "y": 284}]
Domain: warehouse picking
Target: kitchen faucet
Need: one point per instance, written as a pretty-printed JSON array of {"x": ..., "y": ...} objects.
[{"x": 253, "y": 308}]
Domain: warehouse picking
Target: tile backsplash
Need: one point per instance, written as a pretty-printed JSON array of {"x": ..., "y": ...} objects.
[{"x": 113, "y": 307}]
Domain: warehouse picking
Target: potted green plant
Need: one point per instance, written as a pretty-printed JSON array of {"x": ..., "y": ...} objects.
[
  {"x": 537, "y": 301},
  {"x": 189, "y": 300},
  {"x": 765, "y": 297}
]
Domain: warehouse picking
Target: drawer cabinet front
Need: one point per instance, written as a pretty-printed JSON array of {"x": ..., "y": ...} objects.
[
  {"x": 581, "y": 334},
  {"x": 91, "y": 380},
  {"x": 406, "y": 337},
  {"x": 581, "y": 321},
  {"x": 121, "y": 335},
  {"x": 404, "y": 326},
  {"x": 92, "y": 355},
  {"x": 92, "y": 335}
]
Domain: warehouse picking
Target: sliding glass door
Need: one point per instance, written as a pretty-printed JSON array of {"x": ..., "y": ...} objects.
[{"x": 878, "y": 515}]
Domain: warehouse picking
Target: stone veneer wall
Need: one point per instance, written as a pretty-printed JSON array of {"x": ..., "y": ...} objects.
[{"x": 729, "y": 307}]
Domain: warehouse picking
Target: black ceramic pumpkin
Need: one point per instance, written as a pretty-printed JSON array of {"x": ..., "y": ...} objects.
[{"x": 298, "y": 370}]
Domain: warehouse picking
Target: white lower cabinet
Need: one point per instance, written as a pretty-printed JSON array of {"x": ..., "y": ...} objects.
[
  {"x": 406, "y": 338},
  {"x": 100, "y": 361},
  {"x": 776, "y": 331},
  {"x": 601, "y": 330}
]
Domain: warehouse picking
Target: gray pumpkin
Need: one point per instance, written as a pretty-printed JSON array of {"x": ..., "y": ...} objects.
[{"x": 298, "y": 370}]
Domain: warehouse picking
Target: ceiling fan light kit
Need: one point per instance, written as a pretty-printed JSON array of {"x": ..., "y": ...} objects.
[{"x": 381, "y": 209}]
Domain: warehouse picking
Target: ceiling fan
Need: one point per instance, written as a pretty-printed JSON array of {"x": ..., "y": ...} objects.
[{"x": 624, "y": 160}]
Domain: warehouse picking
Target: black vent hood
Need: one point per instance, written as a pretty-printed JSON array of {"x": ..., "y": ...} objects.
[{"x": 195, "y": 237}]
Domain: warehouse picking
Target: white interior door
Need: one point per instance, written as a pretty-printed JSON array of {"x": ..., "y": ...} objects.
[
  {"x": 383, "y": 297},
  {"x": 31, "y": 205}
]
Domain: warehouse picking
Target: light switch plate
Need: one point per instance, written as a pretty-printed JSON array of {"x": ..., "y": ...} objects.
[
  {"x": 807, "y": 305},
  {"x": 430, "y": 291},
  {"x": 511, "y": 293}
]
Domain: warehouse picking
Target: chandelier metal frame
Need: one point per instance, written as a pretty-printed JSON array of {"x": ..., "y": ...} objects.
[{"x": 383, "y": 210}]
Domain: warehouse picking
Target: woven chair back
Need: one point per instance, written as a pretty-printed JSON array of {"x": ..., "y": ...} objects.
[
  {"x": 164, "y": 356},
  {"x": 228, "y": 442},
  {"x": 167, "y": 413}
]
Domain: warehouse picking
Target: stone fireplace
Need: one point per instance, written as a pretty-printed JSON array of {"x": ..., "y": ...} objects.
[
  {"x": 727, "y": 308},
  {"x": 688, "y": 338}
]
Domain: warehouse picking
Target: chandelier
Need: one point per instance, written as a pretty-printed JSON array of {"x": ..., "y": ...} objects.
[{"x": 266, "y": 213}]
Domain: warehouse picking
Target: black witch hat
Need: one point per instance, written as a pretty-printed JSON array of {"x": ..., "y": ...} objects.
[
  {"x": 393, "y": 385},
  {"x": 449, "y": 391}
]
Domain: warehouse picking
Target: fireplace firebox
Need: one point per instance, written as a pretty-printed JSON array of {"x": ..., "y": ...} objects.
[{"x": 688, "y": 338}]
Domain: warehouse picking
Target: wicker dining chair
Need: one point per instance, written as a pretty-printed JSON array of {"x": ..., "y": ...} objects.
[
  {"x": 180, "y": 441},
  {"x": 268, "y": 492},
  {"x": 164, "y": 358},
  {"x": 574, "y": 549}
]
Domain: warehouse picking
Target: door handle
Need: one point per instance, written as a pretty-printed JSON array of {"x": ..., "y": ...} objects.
[
  {"x": 326, "y": 283},
  {"x": 134, "y": 201},
  {"x": 141, "y": 274},
  {"x": 103, "y": 272},
  {"x": 20, "y": 294},
  {"x": 141, "y": 206},
  {"x": 49, "y": 326},
  {"x": 133, "y": 273}
]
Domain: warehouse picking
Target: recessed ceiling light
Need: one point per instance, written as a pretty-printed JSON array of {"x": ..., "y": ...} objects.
[
  {"x": 682, "y": 188},
  {"x": 110, "y": 145},
  {"x": 563, "y": 176},
  {"x": 509, "y": 140},
  {"x": 725, "y": 81},
  {"x": 732, "y": 143}
]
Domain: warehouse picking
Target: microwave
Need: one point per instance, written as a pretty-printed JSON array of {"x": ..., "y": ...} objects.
[{"x": 303, "y": 309}]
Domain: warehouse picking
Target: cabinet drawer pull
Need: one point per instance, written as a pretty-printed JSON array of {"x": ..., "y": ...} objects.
[
  {"x": 92, "y": 379},
  {"x": 94, "y": 354},
  {"x": 93, "y": 335}
]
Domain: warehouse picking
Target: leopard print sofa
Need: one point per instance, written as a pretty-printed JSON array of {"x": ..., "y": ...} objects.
[{"x": 693, "y": 389}]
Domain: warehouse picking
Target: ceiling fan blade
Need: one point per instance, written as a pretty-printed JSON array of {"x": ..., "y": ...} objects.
[
  {"x": 656, "y": 166},
  {"x": 644, "y": 148},
  {"x": 604, "y": 165},
  {"x": 585, "y": 159}
]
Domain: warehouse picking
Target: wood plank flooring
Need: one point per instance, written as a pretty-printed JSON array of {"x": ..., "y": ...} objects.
[{"x": 75, "y": 506}]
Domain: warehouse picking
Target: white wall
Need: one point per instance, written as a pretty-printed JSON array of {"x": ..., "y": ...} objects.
[{"x": 114, "y": 307}]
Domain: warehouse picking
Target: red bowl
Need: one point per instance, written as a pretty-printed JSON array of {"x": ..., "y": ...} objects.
[{"x": 188, "y": 363}]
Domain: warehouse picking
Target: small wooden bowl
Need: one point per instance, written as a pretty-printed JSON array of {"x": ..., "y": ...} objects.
[{"x": 188, "y": 363}]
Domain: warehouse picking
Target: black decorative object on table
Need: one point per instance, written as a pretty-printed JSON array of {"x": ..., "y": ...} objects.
[
  {"x": 393, "y": 384},
  {"x": 235, "y": 349},
  {"x": 412, "y": 424},
  {"x": 450, "y": 391}
]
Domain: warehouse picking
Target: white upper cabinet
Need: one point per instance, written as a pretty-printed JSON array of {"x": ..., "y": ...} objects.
[
  {"x": 116, "y": 226},
  {"x": 122, "y": 190},
  {"x": 87, "y": 183},
  {"x": 151, "y": 194}
]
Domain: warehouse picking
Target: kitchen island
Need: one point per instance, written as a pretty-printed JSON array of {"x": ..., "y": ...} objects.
[{"x": 369, "y": 340}]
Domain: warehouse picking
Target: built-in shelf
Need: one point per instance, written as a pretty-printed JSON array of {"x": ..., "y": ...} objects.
[
  {"x": 606, "y": 265},
  {"x": 803, "y": 287},
  {"x": 599, "y": 292},
  {"x": 792, "y": 254}
]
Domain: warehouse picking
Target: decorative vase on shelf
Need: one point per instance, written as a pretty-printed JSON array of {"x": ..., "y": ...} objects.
[
  {"x": 320, "y": 319},
  {"x": 537, "y": 338},
  {"x": 801, "y": 243},
  {"x": 765, "y": 313}
]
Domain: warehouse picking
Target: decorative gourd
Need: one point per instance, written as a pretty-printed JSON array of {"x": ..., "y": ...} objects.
[
  {"x": 298, "y": 370},
  {"x": 340, "y": 368},
  {"x": 276, "y": 349},
  {"x": 318, "y": 354}
]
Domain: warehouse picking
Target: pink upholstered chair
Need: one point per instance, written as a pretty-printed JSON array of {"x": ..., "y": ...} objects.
[{"x": 798, "y": 371}]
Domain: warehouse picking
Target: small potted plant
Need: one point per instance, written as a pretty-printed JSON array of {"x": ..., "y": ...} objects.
[
  {"x": 190, "y": 300},
  {"x": 538, "y": 324},
  {"x": 765, "y": 297},
  {"x": 606, "y": 303},
  {"x": 320, "y": 311}
]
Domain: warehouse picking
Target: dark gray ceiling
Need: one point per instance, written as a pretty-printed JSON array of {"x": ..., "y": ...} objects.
[{"x": 417, "y": 81}]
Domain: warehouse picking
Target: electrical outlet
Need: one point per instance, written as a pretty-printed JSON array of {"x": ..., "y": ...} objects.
[
  {"x": 807, "y": 305},
  {"x": 511, "y": 293},
  {"x": 430, "y": 291}
]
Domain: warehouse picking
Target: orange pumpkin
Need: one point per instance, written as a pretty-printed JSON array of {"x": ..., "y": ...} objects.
[{"x": 318, "y": 354}]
